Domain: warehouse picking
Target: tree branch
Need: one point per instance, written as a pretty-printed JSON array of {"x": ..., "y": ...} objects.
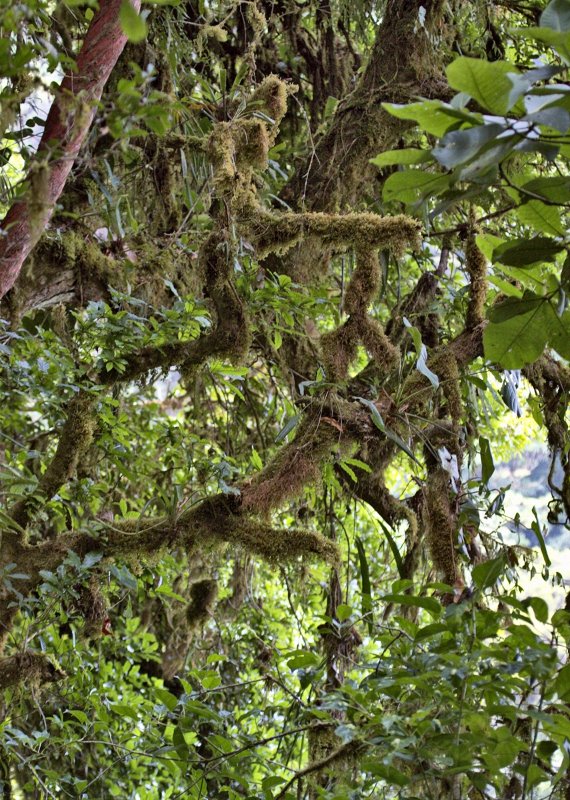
[{"x": 67, "y": 125}]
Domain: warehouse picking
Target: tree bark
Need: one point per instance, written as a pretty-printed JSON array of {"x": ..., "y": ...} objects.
[{"x": 67, "y": 125}]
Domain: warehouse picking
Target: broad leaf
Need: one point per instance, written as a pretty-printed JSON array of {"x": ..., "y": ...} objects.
[{"x": 486, "y": 82}]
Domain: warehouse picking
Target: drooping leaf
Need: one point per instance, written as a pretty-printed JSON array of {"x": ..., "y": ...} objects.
[
  {"x": 458, "y": 147},
  {"x": 409, "y": 186},
  {"x": 405, "y": 156},
  {"x": 365, "y": 584},
  {"x": 487, "y": 464},
  {"x": 488, "y": 573},
  {"x": 433, "y": 116},
  {"x": 525, "y": 252},
  {"x": 486, "y": 82}
]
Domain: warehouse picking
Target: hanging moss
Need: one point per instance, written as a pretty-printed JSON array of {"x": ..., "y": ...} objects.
[
  {"x": 296, "y": 466},
  {"x": 378, "y": 346},
  {"x": 365, "y": 282},
  {"x": 448, "y": 373},
  {"x": 91, "y": 605},
  {"x": 75, "y": 438},
  {"x": 29, "y": 668},
  {"x": 339, "y": 349},
  {"x": 440, "y": 525},
  {"x": 271, "y": 96},
  {"x": 476, "y": 266},
  {"x": 203, "y": 596}
]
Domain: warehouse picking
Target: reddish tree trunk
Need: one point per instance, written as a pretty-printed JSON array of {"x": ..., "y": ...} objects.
[{"x": 67, "y": 125}]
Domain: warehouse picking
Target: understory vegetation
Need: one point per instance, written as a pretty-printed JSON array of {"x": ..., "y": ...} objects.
[{"x": 280, "y": 283}]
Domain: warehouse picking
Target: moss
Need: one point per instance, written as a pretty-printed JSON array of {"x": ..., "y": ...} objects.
[
  {"x": 280, "y": 546},
  {"x": 364, "y": 283},
  {"x": 251, "y": 144},
  {"x": 271, "y": 97},
  {"x": 448, "y": 371},
  {"x": 91, "y": 605},
  {"x": 29, "y": 668},
  {"x": 378, "y": 346},
  {"x": 74, "y": 440},
  {"x": 203, "y": 596},
  {"x": 476, "y": 266},
  {"x": 440, "y": 525},
  {"x": 297, "y": 465},
  {"x": 339, "y": 349},
  {"x": 276, "y": 232}
]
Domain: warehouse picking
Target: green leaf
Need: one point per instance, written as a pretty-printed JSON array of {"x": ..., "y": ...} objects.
[
  {"x": 555, "y": 188},
  {"x": 125, "y": 711},
  {"x": 559, "y": 332},
  {"x": 288, "y": 427},
  {"x": 488, "y": 573},
  {"x": 540, "y": 608},
  {"x": 407, "y": 155},
  {"x": 433, "y": 116},
  {"x": 537, "y": 530},
  {"x": 429, "y": 631},
  {"x": 343, "y": 612},
  {"x": 457, "y": 147},
  {"x": 430, "y": 604},
  {"x": 387, "y": 772},
  {"x": 166, "y": 698},
  {"x": 133, "y": 25},
  {"x": 411, "y": 185},
  {"x": 487, "y": 464},
  {"x": 541, "y": 217},
  {"x": 485, "y": 81},
  {"x": 520, "y": 334},
  {"x": 525, "y": 252},
  {"x": 556, "y": 15}
]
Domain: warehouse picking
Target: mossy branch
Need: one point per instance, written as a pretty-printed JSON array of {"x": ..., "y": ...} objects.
[
  {"x": 30, "y": 668},
  {"x": 476, "y": 266},
  {"x": 75, "y": 438}
]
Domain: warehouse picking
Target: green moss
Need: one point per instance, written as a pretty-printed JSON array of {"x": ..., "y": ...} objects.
[
  {"x": 271, "y": 97},
  {"x": 74, "y": 440},
  {"x": 296, "y": 466},
  {"x": 477, "y": 269},
  {"x": 378, "y": 346},
  {"x": 365, "y": 282},
  {"x": 339, "y": 349},
  {"x": 440, "y": 525}
]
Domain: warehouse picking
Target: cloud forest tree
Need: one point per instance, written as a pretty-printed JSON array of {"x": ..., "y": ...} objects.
[{"x": 276, "y": 279}]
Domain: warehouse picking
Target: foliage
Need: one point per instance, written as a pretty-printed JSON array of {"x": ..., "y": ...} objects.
[{"x": 272, "y": 337}]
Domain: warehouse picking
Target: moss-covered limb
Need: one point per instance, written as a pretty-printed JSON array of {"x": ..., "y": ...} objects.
[
  {"x": 272, "y": 232},
  {"x": 440, "y": 524},
  {"x": 32, "y": 669},
  {"x": 230, "y": 337},
  {"x": 296, "y": 466},
  {"x": 203, "y": 595},
  {"x": 193, "y": 353},
  {"x": 476, "y": 266},
  {"x": 75, "y": 438},
  {"x": 73, "y": 268},
  {"x": 551, "y": 381},
  {"x": 404, "y": 64},
  {"x": 372, "y": 490},
  {"x": 345, "y": 753},
  {"x": 413, "y": 306}
]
